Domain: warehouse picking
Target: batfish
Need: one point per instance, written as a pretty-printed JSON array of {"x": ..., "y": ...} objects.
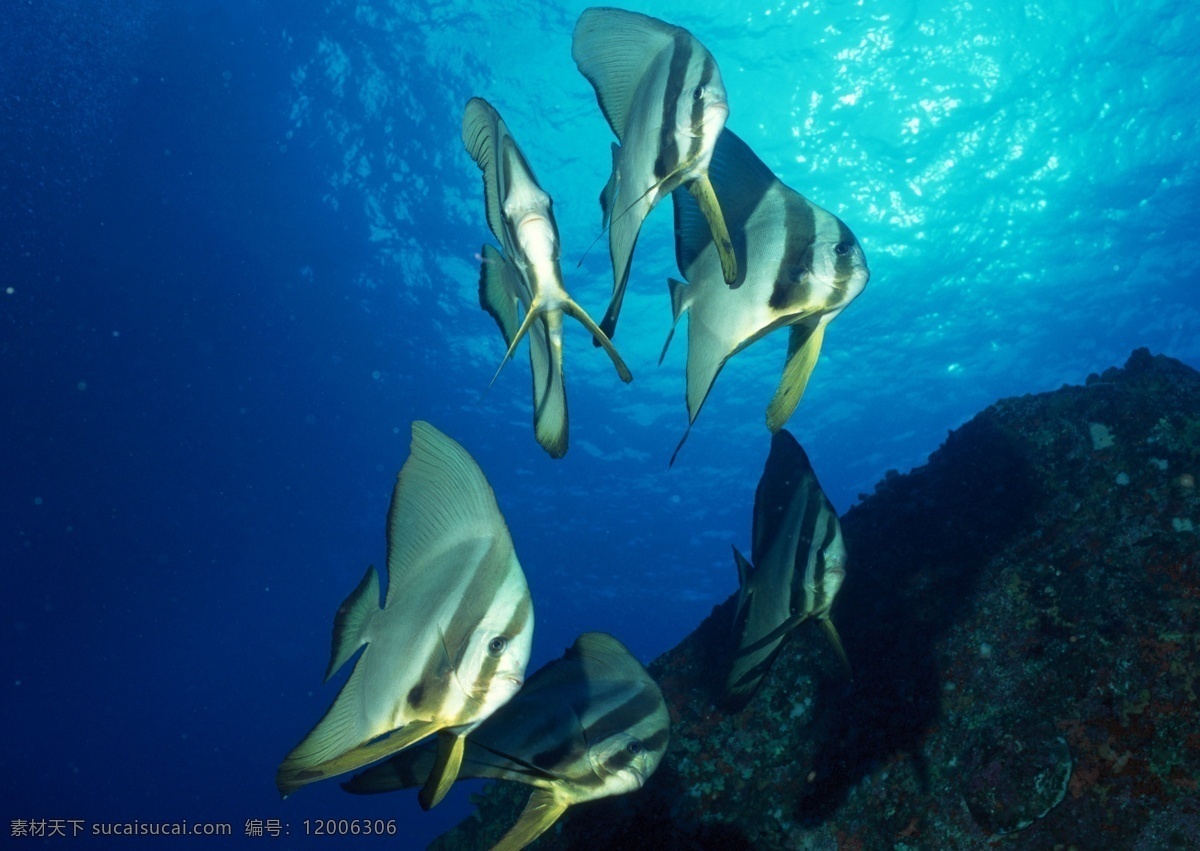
[
  {"x": 662, "y": 94},
  {"x": 799, "y": 565},
  {"x": 528, "y": 272},
  {"x": 451, "y": 642},
  {"x": 803, "y": 266},
  {"x": 588, "y": 725}
]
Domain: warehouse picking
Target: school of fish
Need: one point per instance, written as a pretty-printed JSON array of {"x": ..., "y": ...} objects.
[{"x": 438, "y": 691}]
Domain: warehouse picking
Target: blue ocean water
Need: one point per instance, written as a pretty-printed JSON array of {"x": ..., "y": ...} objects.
[{"x": 238, "y": 258}]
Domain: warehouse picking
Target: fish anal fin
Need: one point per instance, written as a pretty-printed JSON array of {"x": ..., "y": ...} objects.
[
  {"x": 329, "y": 749},
  {"x": 543, "y": 810},
  {"x": 702, "y": 190},
  {"x": 351, "y": 619},
  {"x": 796, "y": 373},
  {"x": 450, "y": 746}
]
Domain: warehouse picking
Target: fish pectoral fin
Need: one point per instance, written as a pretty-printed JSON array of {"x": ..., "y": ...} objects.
[
  {"x": 803, "y": 350},
  {"x": 570, "y": 308},
  {"x": 543, "y": 809},
  {"x": 702, "y": 190},
  {"x": 498, "y": 291},
  {"x": 450, "y": 747},
  {"x": 351, "y": 619},
  {"x": 836, "y": 641}
]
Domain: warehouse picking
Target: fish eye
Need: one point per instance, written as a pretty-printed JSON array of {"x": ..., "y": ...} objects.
[
  {"x": 841, "y": 249},
  {"x": 634, "y": 747},
  {"x": 496, "y": 645},
  {"x": 698, "y": 93}
]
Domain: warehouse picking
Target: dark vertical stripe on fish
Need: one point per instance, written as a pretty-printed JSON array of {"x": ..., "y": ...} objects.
[
  {"x": 697, "y": 142},
  {"x": 792, "y": 277},
  {"x": 487, "y": 671},
  {"x": 668, "y": 152}
]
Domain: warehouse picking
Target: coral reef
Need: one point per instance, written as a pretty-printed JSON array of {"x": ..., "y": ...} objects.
[{"x": 1023, "y": 618}]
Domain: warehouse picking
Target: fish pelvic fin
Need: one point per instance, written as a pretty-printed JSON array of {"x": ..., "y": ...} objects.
[
  {"x": 349, "y": 624},
  {"x": 571, "y": 308},
  {"x": 803, "y": 350},
  {"x": 543, "y": 810},
  {"x": 450, "y": 747},
  {"x": 702, "y": 190},
  {"x": 535, "y": 310},
  {"x": 836, "y": 641}
]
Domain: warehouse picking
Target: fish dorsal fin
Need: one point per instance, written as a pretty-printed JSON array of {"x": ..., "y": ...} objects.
[
  {"x": 613, "y": 49},
  {"x": 740, "y": 181},
  {"x": 804, "y": 347},
  {"x": 500, "y": 291},
  {"x": 744, "y": 568},
  {"x": 482, "y": 129},
  {"x": 603, "y": 657},
  {"x": 441, "y": 497},
  {"x": 786, "y": 487},
  {"x": 543, "y": 810},
  {"x": 349, "y": 624}
]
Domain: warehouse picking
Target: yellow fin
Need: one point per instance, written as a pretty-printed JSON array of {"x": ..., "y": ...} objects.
[
  {"x": 543, "y": 810},
  {"x": 796, "y": 373},
  {"x": 450, "y": 748},
  {"x": 702, "y": 190},
  {"x": 296, "y": 772},
  {"x": 570, "y": 308},
  {"x": 836, "y": 641}
]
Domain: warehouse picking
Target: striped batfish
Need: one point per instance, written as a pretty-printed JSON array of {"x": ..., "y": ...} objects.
[
  {"x": 799, "y": 565},
  {"x": 528, "y": 272},
  {"x": 662, "y": 94},
  {"x": 451, "y": 642},
  {"x": 588, "y": 725},
  {"x": 803, "y": 267}
]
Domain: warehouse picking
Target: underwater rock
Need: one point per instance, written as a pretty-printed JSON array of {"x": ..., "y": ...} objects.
[
  {"x": 1016, "y": 776},
  {"x": 1024, "y": 629}
]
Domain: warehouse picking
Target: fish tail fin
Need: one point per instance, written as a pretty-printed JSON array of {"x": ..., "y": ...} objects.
[
  {"x": 571, "y": 308},
  {"x": 804, "y": 346},
  {"x": 543, "y": 810},
  {"x": 678, "y": 306},
  {"x": 349, "y": 624},
  {"x": 836, "y": 641},
  {"x": 450, "y": 746},
  {"x": 706, "y": 198}
]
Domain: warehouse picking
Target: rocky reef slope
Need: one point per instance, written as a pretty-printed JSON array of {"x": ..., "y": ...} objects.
[{"x": 1023, "y": 618}]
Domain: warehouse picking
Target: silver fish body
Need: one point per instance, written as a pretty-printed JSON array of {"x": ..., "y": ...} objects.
[
  {"x": 449, "y": 645},
  {"x": 588, "y": 725},
  {"x": 803, "y": 267},
  {"x": 662, "y": 94},
  {"x": 527, "y": 275},
  {"x": 799, "y": 565}
]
